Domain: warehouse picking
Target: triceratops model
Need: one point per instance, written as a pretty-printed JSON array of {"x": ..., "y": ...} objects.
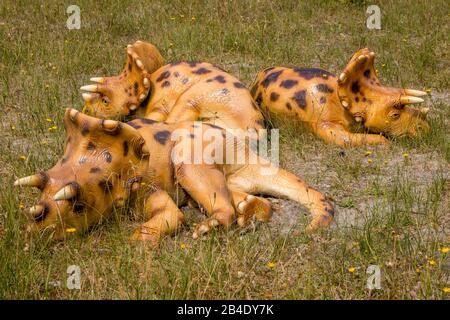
[
  {"x": 337, "y": 108},
  {"x": 109, "y": 164},
  {"x": 172, "y": 93}
]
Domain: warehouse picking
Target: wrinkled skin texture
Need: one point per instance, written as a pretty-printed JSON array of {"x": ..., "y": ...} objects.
[
  {"x": 176, "y": 92},
  {"x": 337, "y": 109},
  {"x": 107, "y": 164}
]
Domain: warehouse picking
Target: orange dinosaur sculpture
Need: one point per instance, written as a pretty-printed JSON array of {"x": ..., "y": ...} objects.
[
  {"x": 108, "y": 164},
  {"x": 172, "y": 93},
  {"x": 340, "y": 109}
]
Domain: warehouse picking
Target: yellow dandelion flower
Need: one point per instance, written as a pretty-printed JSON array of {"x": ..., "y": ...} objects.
[
  {"x": 52, "y": 129},
  {"x": 172, "y": 18},
  {"x": 418, "y": 270},
  {"x": 143, "y": 183},
  {"x": 383, "y": 65},
  {"x": 47, "y": 86},
  {"x": 21, "y": 206},
  {"x": 351, "y": 269},
  {"x": 13, "y": 128},
  {"x": 432, "y": 262},
  {"x": 445, "y": 249},
  {"x": 428, "y": 91},
  {"x": 369, "y": 160},
  {"x": 405, "y": 155},
  {"x": 49, "y": 120},
  {"x": 193, "y": 18},
  {"x": 22, "y": 157},
  {"x": 183, "y": 246},
  {"x": 71, "y": 230},
  {"x": 368, "y": 153},
  {"x": 385, "y": 162},
  {"x": 446, "y": 289},
  {"x": 44, "y": 142},
  {"x": 271, "y": 265}
]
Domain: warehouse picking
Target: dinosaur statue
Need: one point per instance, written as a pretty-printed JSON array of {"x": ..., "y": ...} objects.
[
  {"x": 148, "y": 165},
  {"x": 171, "y": 93},
  {"x": 341, "y": 109}
]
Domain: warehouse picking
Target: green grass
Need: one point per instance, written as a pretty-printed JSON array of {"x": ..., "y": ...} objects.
[{"x": 392, "y": 212}]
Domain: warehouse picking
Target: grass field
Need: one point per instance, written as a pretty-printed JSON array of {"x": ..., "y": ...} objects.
[{"x": 393, "y": 204}]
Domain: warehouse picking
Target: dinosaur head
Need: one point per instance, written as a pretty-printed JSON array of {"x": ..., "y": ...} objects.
[
  {"x": 118, "y": 96},
  {"x": 102, "y": 164},
  {"x": 382, "y": 109}
]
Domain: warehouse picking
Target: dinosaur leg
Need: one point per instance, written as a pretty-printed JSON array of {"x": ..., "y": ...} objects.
[
  {"x": 164, "y": 218},
  {"x": 206, "y": 185},
  {"x": 283, "y": 184},
  {"x": 248, "y": 206},
  {"x": 334, "y": 133}
]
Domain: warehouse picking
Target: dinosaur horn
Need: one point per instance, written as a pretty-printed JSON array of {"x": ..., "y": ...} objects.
[
  {"x": 415, "y": 93},
  {"x": 410, "y": 100},
  {"x": 87, "y": 96},
  {"x": 36, "y": 210},
  {"x": 90, "y": 88},
  {"x": 30, "y": 181},
  {"x": 66, "y": 193},
  {"x": 97, "y": 79}
]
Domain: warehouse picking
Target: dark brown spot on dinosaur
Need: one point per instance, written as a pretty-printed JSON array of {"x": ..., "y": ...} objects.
[
  {"x": 184, "y": 81},
  {"x": 192, "y": 136},
  {"x": 310, "y": 73},
  {"x": 220, "y": 79},
  {"x": 273, "y": 77},
  {"x": 162, "y": 136},
  {"x": 91, "y": 146},
  {"x": 357, "y": 99},
  {"x": 274, "y": 96},
  {"x": 225, "y": 91},
  {"x": 367, "y": 73},
  {"x": 148, "y": 121},
  {"x": 322, "y": 87},
  {"x": 288, "y": 106},
  {"x": 163, "y": 76},
  {"x": 135, "y": 87},
  {"x": 201, "y": 71},
  {"x": 300, "y": 99},
  {"x": 130, "y": 67},
  {"x": 134, "y": 124},
  {"x": 108, "y": 156},
  {"x": 213, "y": 126},
  {"x": 239, "y": 85},
  {"x": 165, "y": 84},
  {"x": 125, "y": 148},
  {"x": 95, "y": 170},
  {"x": 84, "y": 129},
  {"x": 176, "y": 74},
  {"x": 355, "y": 87},
  {"x": 288, "y": 84},
  {"x": 323, "y": 100}
]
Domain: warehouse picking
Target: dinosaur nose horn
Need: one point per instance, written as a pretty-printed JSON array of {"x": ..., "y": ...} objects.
[
  {"x": 410, "y": 100},
  {"x": 66, "y": 193}
]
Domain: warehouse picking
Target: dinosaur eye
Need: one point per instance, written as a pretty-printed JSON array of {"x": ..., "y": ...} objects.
[
  {"x": 79, "y": 208},
  {"x": 105, "y": 100},
  {"x": 395, "y": 115}
]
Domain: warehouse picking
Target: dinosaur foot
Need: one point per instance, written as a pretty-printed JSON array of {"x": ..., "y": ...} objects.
[{"x": 253, "y": 207}]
